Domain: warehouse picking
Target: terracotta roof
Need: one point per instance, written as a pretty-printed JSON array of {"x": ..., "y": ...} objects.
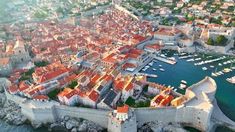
[
  {"x": 129, "y": 87},
  {"x": 94, "y": 96},
  {"x": 128, "y": 65},
  {"x": 120, "y": 85},
  {"x": 64, "y": 92},
  {"x": 159, "y": 98},
  {"x": 23, "y": 86},
  {"x": 4, "y": 61},
  {"x": 71, "y": 94},
  {"x": 51, "y": 75},
  {"x": 123, "y": 109},
  {"x": 13, "y": 89},
  {"x": 95, "y": 78},
  {"x": 41, "y": 97},
  {"x": 154, "y": 46}
]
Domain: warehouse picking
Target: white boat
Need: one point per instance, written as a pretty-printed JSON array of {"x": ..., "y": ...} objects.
[
  {"x": 231, "y": 80},
  {"x": 151, "y": 64},
  {"x": 189, "y": 60},
  {"x": 221, "y": 72},
  {"x": 218, "y": 73},
  {"x": 172, "y": 58},
  {"x": 212, "y": 66},
  {"x": 219, "y": 64},
  {"x": 204, "y": 68},
  {"x": 183, "y": 84},
  {"x": 161, "y": 69},
  {"x": 160, "y": 65},
  {"x": 197, "y": 59},
  {"x": 214, "y": 74},
  {"x": 154, "y": 69},
  {"x": 183, "y": 81},
  {"x": 226, "y": 70}
]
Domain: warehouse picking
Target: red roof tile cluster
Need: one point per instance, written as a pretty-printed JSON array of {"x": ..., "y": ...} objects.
[
  {"x": 154, "y": 46},
  {"x": 43, "y": 74},
  {"x": 41, "y": 97},
  {"x": 13, "y": 89},
  {"x": 94, "y": 96},
  {"x": 123, "y": 109}
]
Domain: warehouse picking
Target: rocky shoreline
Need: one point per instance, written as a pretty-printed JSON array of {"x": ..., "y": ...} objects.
[
  {"x": 10, "y": 112},
  {"x": 76, "y": 125},
  {"x": 161, "y": 127}
]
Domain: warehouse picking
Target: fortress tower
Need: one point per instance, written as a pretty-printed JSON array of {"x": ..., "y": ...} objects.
[{"x": 122, "y": 120}]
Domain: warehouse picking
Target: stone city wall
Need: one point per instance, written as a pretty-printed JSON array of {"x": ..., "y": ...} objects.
[
  {"x": 49, "y": 112},
  {"x": 98, "y": 116}
]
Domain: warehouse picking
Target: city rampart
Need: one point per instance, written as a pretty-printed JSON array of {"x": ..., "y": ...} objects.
[{"x": 186, "y": 114}]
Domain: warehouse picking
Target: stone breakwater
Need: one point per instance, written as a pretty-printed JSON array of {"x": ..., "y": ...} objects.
[{"x": 10, "y": 111}]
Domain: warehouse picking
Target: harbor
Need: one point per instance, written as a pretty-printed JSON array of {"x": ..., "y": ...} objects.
[{"x": 185, "y": 72}]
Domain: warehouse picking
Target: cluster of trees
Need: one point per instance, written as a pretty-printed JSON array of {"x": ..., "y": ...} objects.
[
  {"x": 53, "y": 94},
  {"x": 220, "y": 41},
  {"x": 216, "y": 21},
  {"x": 131, "y": 102},
  {"x": 27, "y": 75},
  {"x": 73, "y": 84},
  {"x": 41, "y": 63}
]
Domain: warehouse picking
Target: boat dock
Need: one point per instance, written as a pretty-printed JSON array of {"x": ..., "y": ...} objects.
[
  {"x": 146, "y": 74},
  {"x": 172, "y": 62}
]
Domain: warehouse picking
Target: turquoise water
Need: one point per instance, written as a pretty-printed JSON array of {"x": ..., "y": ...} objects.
[{"x": 184, "y": 70}]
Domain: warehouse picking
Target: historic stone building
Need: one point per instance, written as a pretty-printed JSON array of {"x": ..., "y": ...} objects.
[{"x": 13, "y": 55}]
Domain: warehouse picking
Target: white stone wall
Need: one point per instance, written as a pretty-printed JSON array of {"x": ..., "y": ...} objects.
[
  {"x": 144, "y": 115},
  {"x": 194, "y": 116},
  {"x": 98, "y": 116}
]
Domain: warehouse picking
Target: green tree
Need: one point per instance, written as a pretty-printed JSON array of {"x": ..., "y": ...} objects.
[
  {"x": 210, "y": 41},
  {"x": 41, "y": 63},
  {"x": 53, "y": 94},
  {"x": 73, "y": 84},
  {"x": 221, "y": 40}
]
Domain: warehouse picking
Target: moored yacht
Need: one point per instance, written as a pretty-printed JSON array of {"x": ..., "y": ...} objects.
[
  {"x": 204, "y": 68},
  {"x": 214, "y": 74},
  {"x": 231, "y": 80},
  {"x": 183, "y": 84},
  {"x": 226, "y": 70}
]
